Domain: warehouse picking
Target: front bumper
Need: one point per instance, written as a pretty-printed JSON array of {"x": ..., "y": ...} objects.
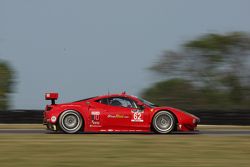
[{"x": 188, "y": 125}]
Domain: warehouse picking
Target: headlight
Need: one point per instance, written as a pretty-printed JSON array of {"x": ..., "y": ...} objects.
[{"x": 194, "y": 121}]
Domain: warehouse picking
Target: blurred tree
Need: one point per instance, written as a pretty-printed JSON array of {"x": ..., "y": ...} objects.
[
  {"x": 217, "y": 65},
  {"x": 6, "y": 84},
  {"x": 168, "y": 92}
]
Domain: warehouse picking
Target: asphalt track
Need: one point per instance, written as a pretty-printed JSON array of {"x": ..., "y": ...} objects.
[{"x": 203, "y": 132}]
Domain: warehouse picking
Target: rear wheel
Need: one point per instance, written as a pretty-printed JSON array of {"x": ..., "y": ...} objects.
[
  {"x": 70, "y": 121},
  {"x": 163, "y": 122}
]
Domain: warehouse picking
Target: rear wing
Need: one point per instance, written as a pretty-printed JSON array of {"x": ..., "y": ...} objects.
[{"x": 52, "y": 96}]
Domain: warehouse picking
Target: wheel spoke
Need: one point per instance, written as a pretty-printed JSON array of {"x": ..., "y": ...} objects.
[
  {"x": 163, "y": 122},
  {"x": 70, "y": 121}
]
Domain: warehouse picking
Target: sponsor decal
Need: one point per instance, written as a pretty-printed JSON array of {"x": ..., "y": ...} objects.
[
  {"x": 95, "y": 126},
  {"x": 95, "y": 117},
  {"x": 53, "y": 119},
  {"x": 117, "y": 116},
  {"x": 137, "y": 116}
]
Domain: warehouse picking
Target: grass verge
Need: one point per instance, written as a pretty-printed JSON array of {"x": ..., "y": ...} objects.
[{"x": 141, "y": 150}]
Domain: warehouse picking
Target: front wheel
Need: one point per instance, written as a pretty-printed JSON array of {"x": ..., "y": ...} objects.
[
  {"x": 70, "y": 121},
  {"x": 163, "y": 122}
]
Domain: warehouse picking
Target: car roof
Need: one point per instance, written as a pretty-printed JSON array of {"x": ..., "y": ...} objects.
[
  {"x": 123, "y": 94},
  {"x": 113, "y": 95}
]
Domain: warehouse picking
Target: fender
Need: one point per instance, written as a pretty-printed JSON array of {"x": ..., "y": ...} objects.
[
  {"x": 78, "y": 108},
  {"x": 180, "y": 115}
]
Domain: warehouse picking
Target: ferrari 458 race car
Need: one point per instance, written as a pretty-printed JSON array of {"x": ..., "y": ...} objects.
[{"x": 115, "y": 113}]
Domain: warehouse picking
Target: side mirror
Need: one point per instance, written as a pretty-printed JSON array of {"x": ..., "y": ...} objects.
[{"x": 141, "y": 105}]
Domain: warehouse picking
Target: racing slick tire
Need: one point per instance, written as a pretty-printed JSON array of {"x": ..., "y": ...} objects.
[
  {"x": 70, "y": 121},
  {"x": 163, "y": 122}
]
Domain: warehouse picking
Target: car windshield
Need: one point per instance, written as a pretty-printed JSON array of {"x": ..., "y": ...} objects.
[{"x": 147, "y": 102}]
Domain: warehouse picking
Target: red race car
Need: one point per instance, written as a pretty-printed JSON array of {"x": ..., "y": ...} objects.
[{"x": 115, "y": 113}]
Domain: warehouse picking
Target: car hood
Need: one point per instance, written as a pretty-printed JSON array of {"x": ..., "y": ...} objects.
[{"x": 175, "y": 110}]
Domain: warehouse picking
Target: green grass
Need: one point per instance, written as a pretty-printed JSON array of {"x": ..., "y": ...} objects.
[{"x": 140, "y": 150}]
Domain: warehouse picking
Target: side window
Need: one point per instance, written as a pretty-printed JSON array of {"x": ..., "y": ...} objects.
[
  {"x": 103, "y": 101},
  {"x": 122, "y": 102}
]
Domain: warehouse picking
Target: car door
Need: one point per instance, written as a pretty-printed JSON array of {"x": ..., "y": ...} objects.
[
  {"x": 97, "y": 116},
  {"x": 123, "y": 115}
]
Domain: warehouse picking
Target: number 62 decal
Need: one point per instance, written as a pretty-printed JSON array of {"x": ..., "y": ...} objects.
[{"x": 137, "y": 117}]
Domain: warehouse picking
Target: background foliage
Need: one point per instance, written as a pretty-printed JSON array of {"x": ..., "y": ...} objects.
[
  {"x": 6, "y": 84},
  {"x": 211, "y": 71}
]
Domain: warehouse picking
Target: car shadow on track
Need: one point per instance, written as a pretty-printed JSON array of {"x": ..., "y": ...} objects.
[{"x": 127, "y": 133}]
